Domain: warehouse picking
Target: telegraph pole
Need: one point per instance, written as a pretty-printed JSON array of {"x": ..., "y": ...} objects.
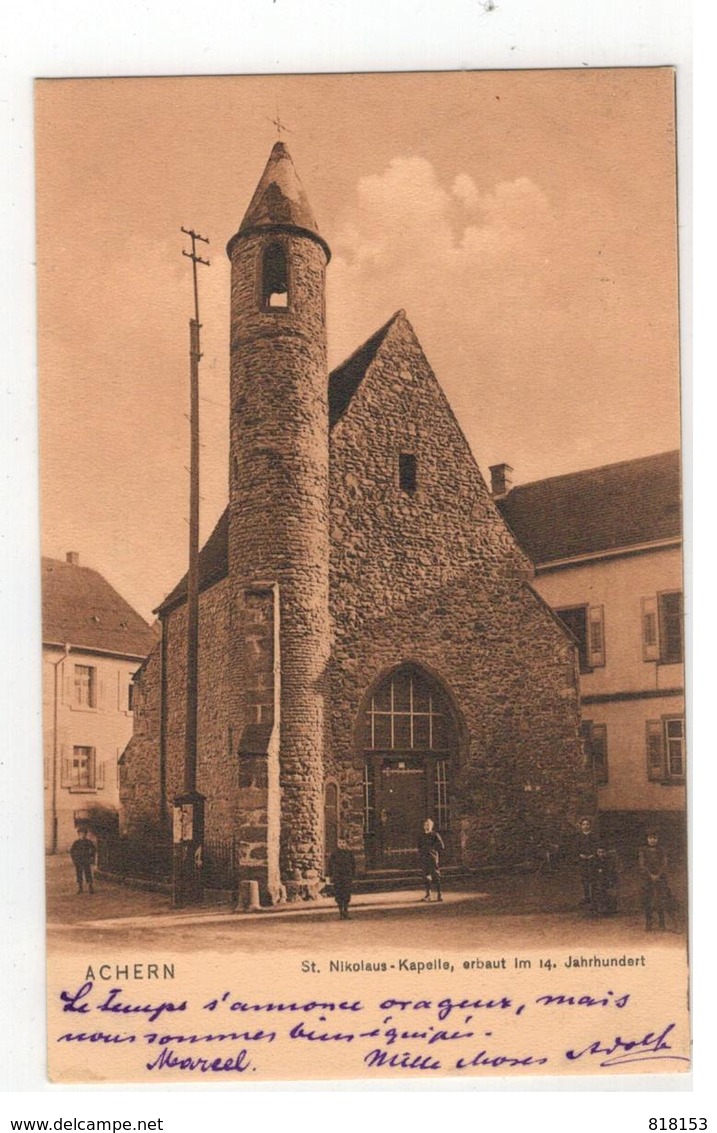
[{"x": 188, "y": 821}]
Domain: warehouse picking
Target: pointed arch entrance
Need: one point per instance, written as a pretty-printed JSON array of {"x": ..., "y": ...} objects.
[{"x": 410, "y": 746}]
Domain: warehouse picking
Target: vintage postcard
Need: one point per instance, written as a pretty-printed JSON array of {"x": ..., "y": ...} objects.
[{"x": 364, "y": 705}]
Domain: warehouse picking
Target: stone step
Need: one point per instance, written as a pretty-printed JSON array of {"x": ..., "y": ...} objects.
[{"x": 386, "y": 880}]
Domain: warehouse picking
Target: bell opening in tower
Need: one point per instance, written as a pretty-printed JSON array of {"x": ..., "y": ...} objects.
[{"x": 275, "y": 277}]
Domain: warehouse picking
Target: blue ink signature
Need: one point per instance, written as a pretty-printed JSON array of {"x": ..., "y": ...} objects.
[
  {"x": 406, "y": 1060},
  {"x": 622, "y": 1051},
  {"x": 168, "y": 1060}
]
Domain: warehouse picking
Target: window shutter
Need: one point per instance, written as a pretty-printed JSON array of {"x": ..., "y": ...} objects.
[
  {"x": 598, "y": 740},
  {"x": 101, "y": 774},
  {"x": 65, "y": 768},
  {"x": 650, "y": 630},
  {"x": 655, "y": 751},
  {"x": 100, "y": 689},
  {"x": 92, "y": 769},
  {"x": 671, "y": 649},
  {"x": 596, "y": 636},
  {"x": 586, "y": 728}
]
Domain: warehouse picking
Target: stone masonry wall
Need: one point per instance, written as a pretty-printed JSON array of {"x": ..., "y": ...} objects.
[
  {"x": 217, "y": 773},
  {"x": 279, "y": 528},
  {"x": 139, "y": 768},
  {"x": 434, "y": 577}
]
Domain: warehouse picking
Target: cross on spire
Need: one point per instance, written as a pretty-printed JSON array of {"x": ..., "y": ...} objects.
[{"x": 280, "y": 127}]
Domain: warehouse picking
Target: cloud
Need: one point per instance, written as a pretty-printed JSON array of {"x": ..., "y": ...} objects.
[
  {"x": 464, "y": 188},
  {"x": 530, "y": 309},
  {"x": 452, "y": 258}
]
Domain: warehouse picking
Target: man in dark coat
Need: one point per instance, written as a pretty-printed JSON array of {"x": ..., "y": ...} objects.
[
  {"x": 430, "y": 845},
  {"x": 83, "y": 854},
  {"x": 342, "y": 870},
  {"x": 653, "y": 871},
  {"x": 585, "y": 851}
]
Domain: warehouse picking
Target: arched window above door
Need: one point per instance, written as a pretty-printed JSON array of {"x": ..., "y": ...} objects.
[
  {"x": 408, "y": 712},
  {"x": 410, "y": 743}
]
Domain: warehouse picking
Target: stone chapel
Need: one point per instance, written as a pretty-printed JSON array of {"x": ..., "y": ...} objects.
[{"x": 372, "y": 651}]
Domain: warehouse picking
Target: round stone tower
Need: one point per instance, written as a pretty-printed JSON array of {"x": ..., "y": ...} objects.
[{"x": 279, "y": 531}]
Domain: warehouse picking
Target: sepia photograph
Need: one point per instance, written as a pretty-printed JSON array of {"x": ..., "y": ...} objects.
[{"x": 362, "y": 577}]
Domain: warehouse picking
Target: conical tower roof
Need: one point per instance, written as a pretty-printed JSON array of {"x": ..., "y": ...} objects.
[{"x": 279, "y": 200}]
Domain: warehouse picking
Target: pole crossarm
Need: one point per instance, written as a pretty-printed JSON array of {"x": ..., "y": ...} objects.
[{"x": 196, "y": 259}]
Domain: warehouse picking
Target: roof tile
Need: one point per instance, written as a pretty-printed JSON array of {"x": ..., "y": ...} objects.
[
  {"x": 80, "y": 608},
  {"x": 600, "y": 509}
]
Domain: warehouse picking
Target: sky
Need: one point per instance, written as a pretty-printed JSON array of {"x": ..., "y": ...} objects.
[{"x": 526, "y": 222}]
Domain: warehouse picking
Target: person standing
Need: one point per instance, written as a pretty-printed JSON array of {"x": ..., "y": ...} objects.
[
  {"x": 430, "y": 847},
  {"x": 603, "y": 882},
  {"x": 342, "y": 870},
  {"x": 585, "y": 851},
  {"x": 653, "y": 870},
  {"x": 83, "y": 854}
]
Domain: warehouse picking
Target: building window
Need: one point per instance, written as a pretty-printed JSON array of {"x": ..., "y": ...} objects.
[
  {"x": 674, "y": 747},
  {"x": 275, "y": 277},
  {"x": 410, "y": 743},
  {"x": 79, "y": 772},
  {"x": 594, "y": 737},
  {"x": 441, "y": 800},
  {"x": 130, "y": 695},
  {"x": 666, "y": 750},
  {"x": 85, "y": 686},
  {"x": 662, "y": 628},
  {"x": 407, "y": 472},
  {"x": 407, "y": 714},
  {"x": 369, "y": 798},
  {"x": 587, "y": 625}
]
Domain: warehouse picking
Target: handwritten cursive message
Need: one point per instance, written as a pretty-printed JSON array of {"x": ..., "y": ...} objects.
[{"x": 447, "y": 1029}]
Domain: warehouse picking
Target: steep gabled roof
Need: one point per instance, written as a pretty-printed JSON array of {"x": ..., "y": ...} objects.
[
  {"x": 346, "y": 378},
  {"x": 343, "y": 383},
  {"x": 213, "y": 564},
  {"x": 80, "y": 608},
  {"x": 601, "y": 509}
]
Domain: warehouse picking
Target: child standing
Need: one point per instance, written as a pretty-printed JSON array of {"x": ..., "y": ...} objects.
[
  {"x": 430, "y": 845},
  {"x": 603, "y": 882}
]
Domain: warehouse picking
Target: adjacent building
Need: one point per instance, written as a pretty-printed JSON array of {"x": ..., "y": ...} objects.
[
  {"x": 92, "y": 644},
  {"x": 607, "y": 549}
]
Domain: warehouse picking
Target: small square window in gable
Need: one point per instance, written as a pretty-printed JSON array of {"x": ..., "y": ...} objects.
[{"x": 408, "y": 472}]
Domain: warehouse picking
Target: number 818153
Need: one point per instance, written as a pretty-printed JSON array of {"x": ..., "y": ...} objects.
[{"x": 664, "y": 1123}]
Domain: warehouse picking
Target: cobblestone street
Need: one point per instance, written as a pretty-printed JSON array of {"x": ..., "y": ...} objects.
[{"x": 516, "y": 911}]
